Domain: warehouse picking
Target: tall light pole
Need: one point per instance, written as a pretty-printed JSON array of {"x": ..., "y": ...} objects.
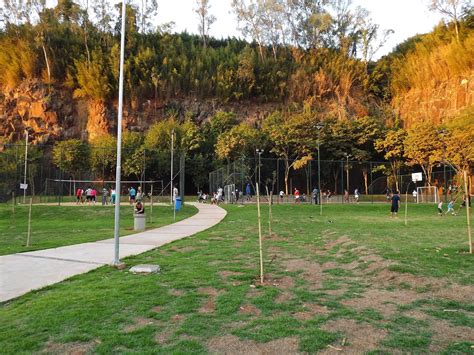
[
  {"x": 118, "y": 169},
  {"x": 172, "y": 158},
  {"x": 347, "y": 155},
  {"x": 319, "y": 126},
  {"x": 259, "y": 152},
  {"x": 26, "y": 166}
]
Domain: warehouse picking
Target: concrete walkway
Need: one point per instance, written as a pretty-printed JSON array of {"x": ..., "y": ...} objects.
[{"x": 23, "y": 272}]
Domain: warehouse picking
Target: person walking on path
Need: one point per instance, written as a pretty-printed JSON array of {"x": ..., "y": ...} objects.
[
  {"x": 415, "y": 195},
  {"x": 248, "y": 192},
  {"x": 356, "y": 195},
  {"x": 395, "y": 204}
]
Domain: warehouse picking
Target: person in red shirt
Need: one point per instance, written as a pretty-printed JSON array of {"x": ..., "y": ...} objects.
[
  {"x": 79, "y": 198},
  {"x": 297, "y": 195}
]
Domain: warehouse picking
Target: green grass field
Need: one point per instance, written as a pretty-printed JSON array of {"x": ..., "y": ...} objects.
[
  {"x": 353, "y": 280},
  {"x": 54, "y": 226}
]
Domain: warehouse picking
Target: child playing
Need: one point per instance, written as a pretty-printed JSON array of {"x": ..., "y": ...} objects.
[
  {"x": 440, "y": 208},
  {"x": 451, "y": 208}
]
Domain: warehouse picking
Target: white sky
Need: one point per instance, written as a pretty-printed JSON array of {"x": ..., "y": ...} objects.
[{"x": 405, "y": 17}]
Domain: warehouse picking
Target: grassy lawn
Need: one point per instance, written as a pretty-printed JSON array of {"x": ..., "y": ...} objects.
[
  {"x": 54, "y": 226},
  {"x": 353, "y": 280}
]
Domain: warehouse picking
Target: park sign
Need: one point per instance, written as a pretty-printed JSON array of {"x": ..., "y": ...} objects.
[{"x": 416, "y": 177}]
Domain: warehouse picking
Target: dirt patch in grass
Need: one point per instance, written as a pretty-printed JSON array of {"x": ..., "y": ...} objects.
[
  {"x": 310, "y": 310},
  {"x": 445, "y": 334},
  {"x": 210, "y": 305},
  {"x": 139, "y": 323},
  {"x": 384, "y": 301},
  {"x": 310, "y": 271},
  {"x": 178, "y": 318},
  {"x": 70, "y": 348},
  {"x": 359, "y": 337},
  {"x": 232, "y": 345},
  {"x": 283, "y": 297},
  {"x": 249, "y": 309},
  {"x": 339, "y": 241},
  {"x": 157, "y": 309},
  {"x": 176, "y": 293},
  {"x": 455, "y": 292},
  {"x": 226, "y": 274},
  {"x": 164, "y": 336}
]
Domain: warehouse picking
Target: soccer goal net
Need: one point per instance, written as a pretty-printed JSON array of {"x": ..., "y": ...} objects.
[
  {"x": 229, "y": 193},
  {"x": 427, "y": 194}
]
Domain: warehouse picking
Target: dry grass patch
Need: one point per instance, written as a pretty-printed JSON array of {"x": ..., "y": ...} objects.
[{"x": 230, "y": 344}]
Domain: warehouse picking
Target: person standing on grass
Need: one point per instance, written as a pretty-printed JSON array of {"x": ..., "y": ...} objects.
[
  {"x": 346, "y": 196},
  {"x": 248, "y": 192},
  {"x": 132, "y": 193},
  {"x": 105, "y": 192},
  {"x": 89, "y": 195},
  {"x": 112, "y": 196},
  {"x": 282, "y": 195},
  {"x": 440, "y": 208},
  {"x": 175, "y": 193},
  {"x": 356, "y": 195},
  {"x": 297, "y": 195},
  {"x": 395, "y": 204},
  {"x": 79, "y": 193},
  {"x": 315, "y": 196},
  {"x": 415, "y": 195},
  {"x": 451, "y": 208},
  {"x": 94, "y": 195}
]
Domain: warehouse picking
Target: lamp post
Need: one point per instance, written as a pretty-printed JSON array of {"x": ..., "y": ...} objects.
[
  {"x": 119, "y": 141},
  {"x": 26, "y": 166},
  {"x": 319, "y": 126},
  {"x": 347, "y": 155},
  {"x": 259, "y": 152}
]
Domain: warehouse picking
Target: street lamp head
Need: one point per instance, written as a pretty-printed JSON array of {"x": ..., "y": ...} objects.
[{"x": 259, "y": 151}]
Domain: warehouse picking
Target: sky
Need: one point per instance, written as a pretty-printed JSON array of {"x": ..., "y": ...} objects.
[{"x": 405, "y": 17}]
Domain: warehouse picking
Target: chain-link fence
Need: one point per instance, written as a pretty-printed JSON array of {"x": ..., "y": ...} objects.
[
  {"x": 372, "y": 180},
  {"x": 51, "y": 175}
]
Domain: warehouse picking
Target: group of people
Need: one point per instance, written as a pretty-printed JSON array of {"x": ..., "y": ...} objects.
[
  {"x": 109, "y": 195},
  {"x": 89, "y": 196}
]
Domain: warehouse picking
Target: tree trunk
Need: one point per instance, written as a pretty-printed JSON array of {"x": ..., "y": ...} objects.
[
  {"x": 365, "y": 173},
  {"x": 287, "y": 173}
]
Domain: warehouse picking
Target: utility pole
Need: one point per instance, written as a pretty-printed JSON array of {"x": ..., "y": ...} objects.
[
  {"x": 347, "y": 155},
  {"x": 26, "y": 166},
  {"x": 260, "y": 243},
  {"x": 118, "y": 169},
  {"x": 319, "y": 126},
  {"x": 172, "y": 153}
]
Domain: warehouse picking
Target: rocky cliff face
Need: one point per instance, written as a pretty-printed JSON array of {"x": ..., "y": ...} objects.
[
  {"x": 45, "y": 111},
  {"x": 51, "y": 113},
  {"x": 437, "y": 104}
]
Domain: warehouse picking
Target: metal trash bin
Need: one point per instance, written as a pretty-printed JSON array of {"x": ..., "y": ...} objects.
[
  {"x": 139, "y": 221},
  {"x": 177, "y": 204}
]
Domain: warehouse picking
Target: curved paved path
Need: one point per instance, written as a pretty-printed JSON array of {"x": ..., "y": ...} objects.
[{"x": 23, "y": 272}]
